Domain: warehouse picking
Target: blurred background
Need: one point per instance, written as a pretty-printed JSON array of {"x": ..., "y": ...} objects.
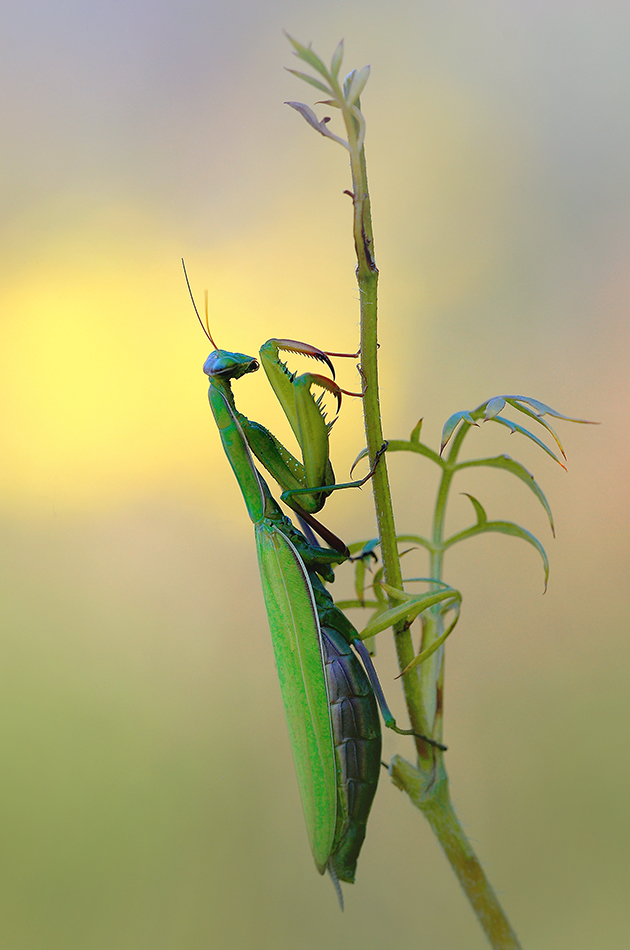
[{"x": 148, "y": 797}]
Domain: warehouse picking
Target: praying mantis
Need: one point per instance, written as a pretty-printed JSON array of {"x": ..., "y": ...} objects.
[{"x": 330, "y": 698}]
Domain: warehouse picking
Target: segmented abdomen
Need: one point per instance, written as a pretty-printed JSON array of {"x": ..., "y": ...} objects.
[{"x": 357, "y": 737}]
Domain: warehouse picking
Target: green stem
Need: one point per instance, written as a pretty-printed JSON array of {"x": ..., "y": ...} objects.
[
  {"x": 426, "y": 785},
  {"x": 431, "y": 672},
  {"x": 367, "y": 279},
  {"x": 429, "y": 793}
]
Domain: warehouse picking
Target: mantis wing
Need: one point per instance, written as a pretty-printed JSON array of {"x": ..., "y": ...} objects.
[{"x": 296, "y": 636}]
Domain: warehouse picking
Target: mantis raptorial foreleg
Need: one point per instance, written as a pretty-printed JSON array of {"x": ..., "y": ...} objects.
[{"x": 312, "y": 479}]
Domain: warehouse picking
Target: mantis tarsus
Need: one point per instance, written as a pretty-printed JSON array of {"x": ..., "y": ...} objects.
[{"x": 330, "y": 700}]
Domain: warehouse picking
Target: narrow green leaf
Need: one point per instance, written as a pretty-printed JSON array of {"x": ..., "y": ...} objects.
[
  {"x": 493, "y": 407},
  {"x": 502, "y": 527},
  {"x": 425, "y": 580},
  {"x": 515, "y": 468},
  {"x": 358, "y": 117},
  {"x": 311, "y": 79},
  {"x": 421, "y": 657},
  {"x": 415, "y": 432},
  {"x": 415, "y": 539},
  {"x": 306, "y": 53},
  {"x": 546, "y": 425},
  {"x": 515, "y": 427},
  {"x": 408, "y": 611},
  {"x": 406, "y": 445},
  {"x": 355, "y": 604},
  {"x": 451, "y": 424},
  {"x": 348, "y": 82},
  {"x": 368, "y": 551},
  {"x": 307, "y": 113},
  {"x": 479, "y": 509},
  {"x": 379, "y": 593},
  {"x": 396, "y": 593},
  {"x": 357, "y": 85},
  {"x": 357, "y": 547},
  {"x": 336, "y": 59},
  {"x": 359, "y": 578},
  {"x": 541, "y": 409}
]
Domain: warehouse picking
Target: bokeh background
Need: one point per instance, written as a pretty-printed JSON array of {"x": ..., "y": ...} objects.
[{"x": 147, "y": 796}]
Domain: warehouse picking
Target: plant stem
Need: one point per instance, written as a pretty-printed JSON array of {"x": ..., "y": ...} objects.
[
  {"x": 430, "y": 794},
  {"x": 426, "y": 784},
  {"x": 367, "y": 279}
]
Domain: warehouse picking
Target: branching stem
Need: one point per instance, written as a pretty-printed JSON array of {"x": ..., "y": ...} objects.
[{"x": 426, "y": 784}]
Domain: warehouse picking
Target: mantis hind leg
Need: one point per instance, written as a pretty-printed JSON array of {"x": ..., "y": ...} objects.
[{"x": 388, "y": 718}]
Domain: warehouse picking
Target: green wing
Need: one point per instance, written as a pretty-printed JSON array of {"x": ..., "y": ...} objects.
[{"x": 296, "y": 636}]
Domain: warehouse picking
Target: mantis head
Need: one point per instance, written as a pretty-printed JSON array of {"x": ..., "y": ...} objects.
[
  {"x": 221, "y": 363},
  {"x": 226, "y": 365}
]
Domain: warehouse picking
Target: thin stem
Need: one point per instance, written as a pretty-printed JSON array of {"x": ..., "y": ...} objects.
[
  {"x": 426, "y": 785},
  {"x": 367, "y": 279},
  {"x": 432, "y": 671},
  {"x": 430, "y": 794}
]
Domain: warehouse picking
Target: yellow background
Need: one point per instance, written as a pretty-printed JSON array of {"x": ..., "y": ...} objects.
[{"x": 147, "y": 796}]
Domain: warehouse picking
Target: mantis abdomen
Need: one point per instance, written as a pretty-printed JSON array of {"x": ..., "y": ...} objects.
[{"x": 357, "y": 738}]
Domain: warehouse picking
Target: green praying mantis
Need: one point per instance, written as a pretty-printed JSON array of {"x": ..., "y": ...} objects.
[{"x": 330, "y": 698}]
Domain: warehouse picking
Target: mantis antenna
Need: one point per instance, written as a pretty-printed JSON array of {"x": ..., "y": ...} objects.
[{"x": 204, "y": 326}]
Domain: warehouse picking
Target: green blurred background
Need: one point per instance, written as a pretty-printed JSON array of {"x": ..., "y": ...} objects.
[{"x": 148, "y": 797}]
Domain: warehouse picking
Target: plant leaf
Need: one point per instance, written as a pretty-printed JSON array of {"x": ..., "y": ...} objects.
[
  {"x": 358, "y": 116},
  {"x": 355, "y": 604},
  {"x": 515, "y": 468},
  {"x": 359, "y": 579},
  {"x": 451, "y": 424},
  {"x": 502, "y": 527},
  {"x": 348, "y": 82},
  {"x": 415, "y": 432},
  {"x": 404, "y": 445},
  {"x": 361, "y": 562},
  {"x": 490, "y": 410},
  {"x": 421, "y": 657},
  {"x": 336, "y": 59},
  {"x": 357, "y": 85},
  {"x": 407, "y": 610},
  {"x": 493, "y": 407},
  {"x": 515, "y": 427},
  {"x": 482, "y": 517},
  {"x": 541, "y": 409},
  {"x": 379, "y": 593},
  {"x": 307, "y": 113},
  {"x": 306, "y": 53},
  {"x": 546, "y": 425},
  {"x": 311, "y": 79},
  {"x": 414, "y": 539}
]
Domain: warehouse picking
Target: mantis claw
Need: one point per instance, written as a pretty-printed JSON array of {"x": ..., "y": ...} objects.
[{"x": 305, "y": 349}]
